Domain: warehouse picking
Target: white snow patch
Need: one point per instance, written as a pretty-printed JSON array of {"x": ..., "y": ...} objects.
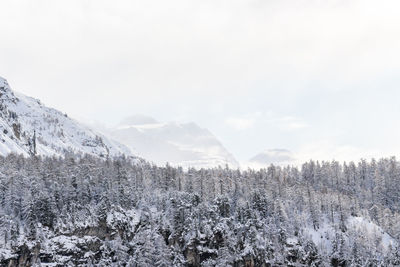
[
  {"x": 325, "y": 235},
  {"x": 371, "y": 231}
]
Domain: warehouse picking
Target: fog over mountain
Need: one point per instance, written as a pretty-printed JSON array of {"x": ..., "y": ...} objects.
[
  {"x": 30, "y": 128},
  {"x": 179, "y": 144},
  {"x": 272, "y": 156}
]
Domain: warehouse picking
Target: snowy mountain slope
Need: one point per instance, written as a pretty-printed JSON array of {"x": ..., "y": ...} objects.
[
  {"x": 27, "y": 126},
  {"x": 357, "y": 229},
  {"x": 183, "y": 144}
]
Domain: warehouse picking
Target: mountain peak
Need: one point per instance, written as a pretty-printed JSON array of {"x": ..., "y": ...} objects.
[{"x": 180, "y": 144}]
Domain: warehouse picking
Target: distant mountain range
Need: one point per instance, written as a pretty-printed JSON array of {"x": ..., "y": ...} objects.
[
  {"x": 28, "y": 127},
  {"x": 180, "y": 144}
]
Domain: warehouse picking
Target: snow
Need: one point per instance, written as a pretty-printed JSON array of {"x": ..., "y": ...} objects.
[
  {"x": 69, "y": 244},
  {"x": 6, "y": 253},
  {"x": 292, "y": 241},
  {"x": 356, "y": 227},
  {"x": 131, "y": 218},
  {"x": 89, "y": 254},
  {"x": 2, "y": 82},
  {"x": 56, "y": 133},
  {"x": 322, "y": 237},
  {"x": 179, "y": 144},
  {"x": 371, "y": 231},
  {"x": 95, "y": 222}
]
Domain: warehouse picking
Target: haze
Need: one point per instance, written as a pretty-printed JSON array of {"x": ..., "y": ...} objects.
[{"x": 319, "y": 78}]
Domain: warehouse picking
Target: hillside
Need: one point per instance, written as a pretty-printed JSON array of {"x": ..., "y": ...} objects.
[
  {"x": 28, "y": 127},
  {"x": 91, "y": 212}
]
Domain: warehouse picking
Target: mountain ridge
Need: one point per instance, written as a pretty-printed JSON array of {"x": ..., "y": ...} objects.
[
  {"x": 28, "y": 127},
  {"x": 179, "y": 144}
]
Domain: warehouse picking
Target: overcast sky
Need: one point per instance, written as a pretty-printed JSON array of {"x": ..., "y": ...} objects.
[{"x": 318, "y": 77}]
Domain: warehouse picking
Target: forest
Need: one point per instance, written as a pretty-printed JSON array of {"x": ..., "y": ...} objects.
[{"x": 80, "y": 210}]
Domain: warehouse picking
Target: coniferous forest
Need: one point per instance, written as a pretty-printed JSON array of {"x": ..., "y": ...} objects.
[{"x": 83, "y": 211}]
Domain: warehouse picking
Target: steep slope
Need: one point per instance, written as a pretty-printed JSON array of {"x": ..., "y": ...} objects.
[
  {"x": 28, "y": 127},
  {"x": 183, "y": 144}
]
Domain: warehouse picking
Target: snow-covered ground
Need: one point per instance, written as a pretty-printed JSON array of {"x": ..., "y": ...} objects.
[
  {"x": 356, "y": 228},
  {"x": 370, "y": 231}
]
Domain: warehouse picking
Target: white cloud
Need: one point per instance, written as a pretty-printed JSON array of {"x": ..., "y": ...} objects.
[
  {"x": 327, "y": 150},
  {"x": 211, "y": 60},
  {"x": 280, "y": 157},
  {"x": 295, "y": 125},
  {"x": 269, "y": 119},
  {"x": 240, "y": 123},
  {"x": 289, "y": 123}
]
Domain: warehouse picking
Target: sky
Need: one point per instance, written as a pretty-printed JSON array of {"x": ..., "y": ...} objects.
[{"x": 317, "y": 77}]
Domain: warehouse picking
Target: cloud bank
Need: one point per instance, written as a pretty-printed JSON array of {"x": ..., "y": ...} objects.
[{"x": 329, "y": 67}]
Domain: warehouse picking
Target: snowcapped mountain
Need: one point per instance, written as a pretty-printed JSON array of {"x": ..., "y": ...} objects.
[
  {"x": 183, "y": 144},
  {"x": 28, "y": 127},
  {"x": 271, "y": 156}
]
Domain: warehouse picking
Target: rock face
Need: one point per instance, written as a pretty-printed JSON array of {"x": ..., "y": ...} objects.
[
  {"x": 28, "y": 127},
  {"x": 80, "y": 245},
  {"x": 24, "y": 256},
  {"x": 183, "y": 144},
  {"x": 121, "y": 235}
]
